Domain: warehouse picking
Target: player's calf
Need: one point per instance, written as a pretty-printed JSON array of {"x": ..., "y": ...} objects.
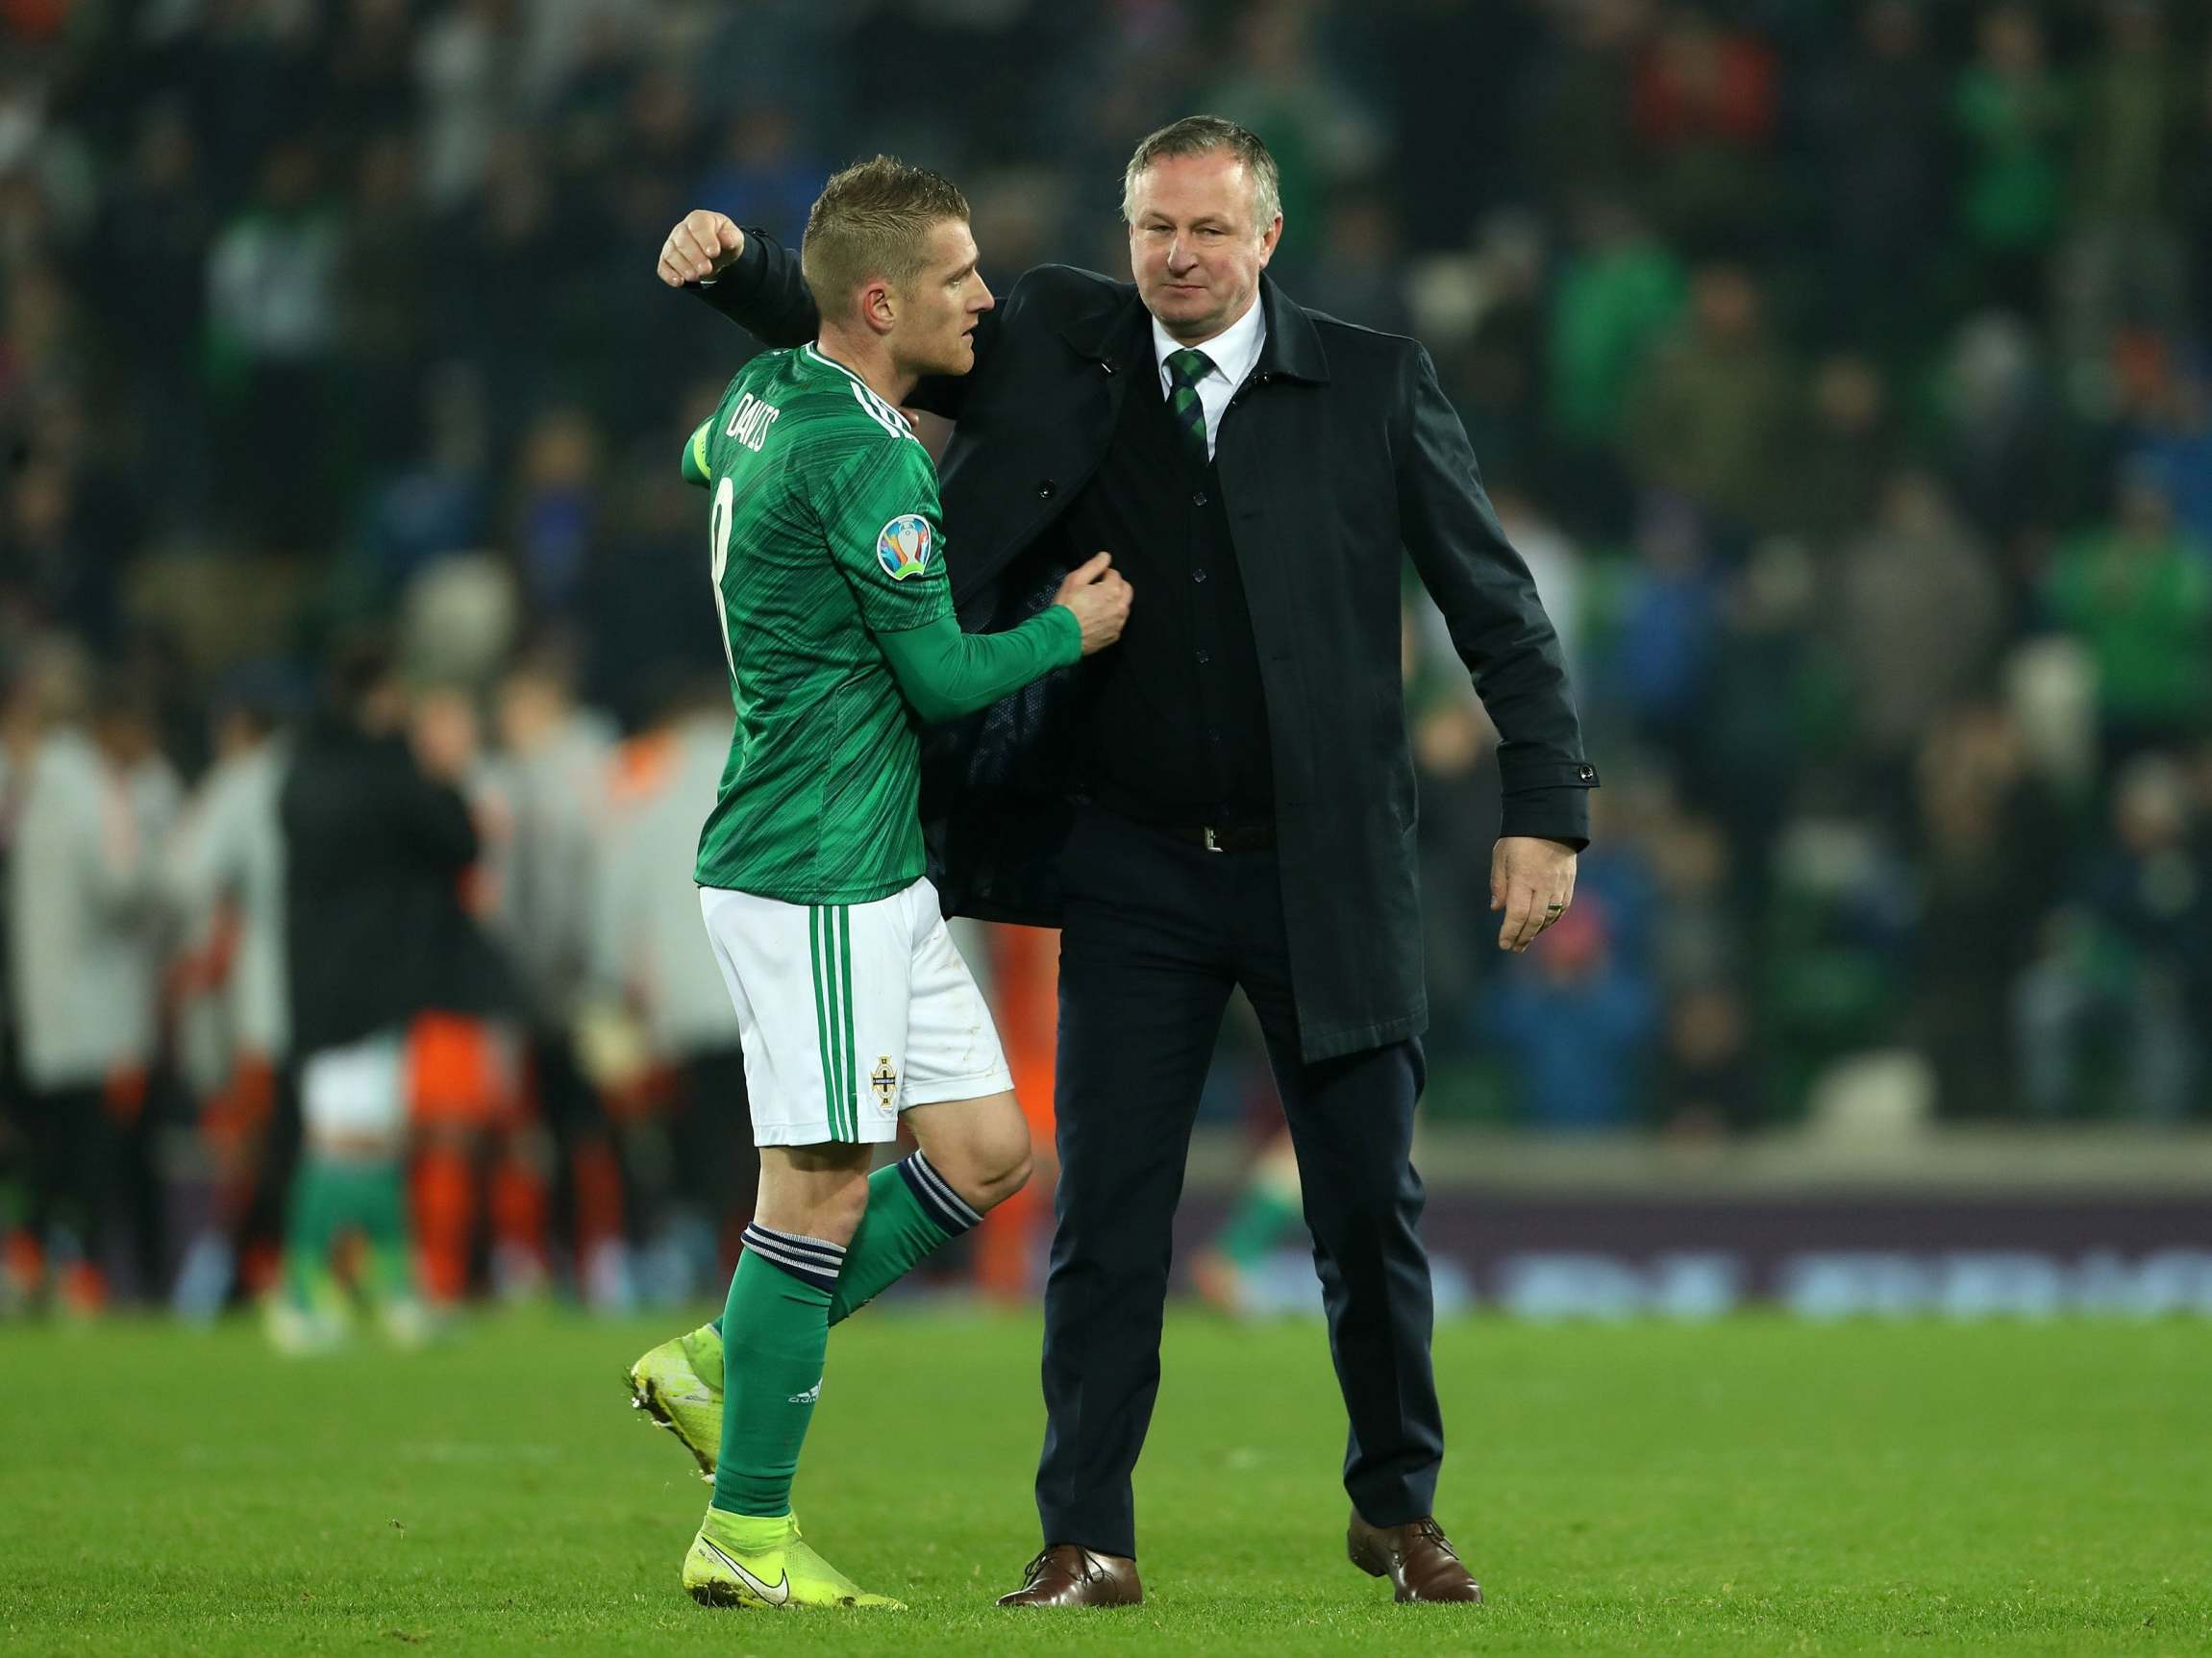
[{"x": 912, "y": 1207}]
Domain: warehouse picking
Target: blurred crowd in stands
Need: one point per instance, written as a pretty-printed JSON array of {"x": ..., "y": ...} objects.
[{"x": 1844, "y": 372}]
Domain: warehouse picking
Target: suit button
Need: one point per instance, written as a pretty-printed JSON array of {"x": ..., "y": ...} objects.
[
  {"x": 1198, "y": 575},
  {"x": 1045, "y": 488},
  {"x": 1197, "y": 499},
  {"x": 1204, "y": 658}
]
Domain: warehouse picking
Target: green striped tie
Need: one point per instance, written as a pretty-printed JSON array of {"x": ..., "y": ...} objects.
[{"x": 1185, "y": 368}]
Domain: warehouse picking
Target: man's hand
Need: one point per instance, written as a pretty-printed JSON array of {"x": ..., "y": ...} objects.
[
  {"x": 1099, "y": 598},
  {"x": 703, "y": 244},
  {"x": 1532, "y": 881}
]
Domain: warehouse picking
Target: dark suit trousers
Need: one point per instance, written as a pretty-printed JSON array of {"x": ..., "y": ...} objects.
[{"x": 1156, "y": 934}]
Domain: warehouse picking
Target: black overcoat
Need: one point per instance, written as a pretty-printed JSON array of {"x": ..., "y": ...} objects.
[{"x": 1339, "y": 457}]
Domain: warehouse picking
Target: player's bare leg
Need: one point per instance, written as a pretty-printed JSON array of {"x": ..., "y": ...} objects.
[
  {"x": 776, "y": 1331},
  {"x": 974, "y": 1155}
]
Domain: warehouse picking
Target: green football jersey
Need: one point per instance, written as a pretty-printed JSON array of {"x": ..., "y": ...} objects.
[{"x": 826, "y": 530}]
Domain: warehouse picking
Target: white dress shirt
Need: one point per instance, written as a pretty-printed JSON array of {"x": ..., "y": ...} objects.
[{"x": 1232, "y": 352}]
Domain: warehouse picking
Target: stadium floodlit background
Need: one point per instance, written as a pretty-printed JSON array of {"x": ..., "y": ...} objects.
[{"x": 1842, "y": 371}]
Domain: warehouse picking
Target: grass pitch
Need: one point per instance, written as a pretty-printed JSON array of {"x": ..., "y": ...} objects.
[{"x": 1751, "y": 1486}]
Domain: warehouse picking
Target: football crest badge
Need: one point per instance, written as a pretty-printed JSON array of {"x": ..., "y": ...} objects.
[
  {"x": 903, "y": 549},
  {"x": 885, "y": 1081}
]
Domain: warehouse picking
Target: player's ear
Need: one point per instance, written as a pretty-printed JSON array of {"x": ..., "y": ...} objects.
[{"x": 877, "y": 306}]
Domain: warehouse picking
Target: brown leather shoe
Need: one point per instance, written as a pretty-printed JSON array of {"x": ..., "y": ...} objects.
[
  {"x": 1417, "y": 1558},
  {"x": 1065, "y": 1575}
]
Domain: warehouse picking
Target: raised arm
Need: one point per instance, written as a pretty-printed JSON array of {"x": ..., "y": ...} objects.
[
  {"x": 744, "y": 275},
  {"x": 757, "y": 283}
]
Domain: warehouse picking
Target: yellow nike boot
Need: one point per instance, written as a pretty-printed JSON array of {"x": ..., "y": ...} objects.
[{"x": 746, "y": 1560}]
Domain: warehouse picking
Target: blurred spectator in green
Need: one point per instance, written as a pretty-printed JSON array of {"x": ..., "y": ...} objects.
[
  {"x": 1617, "y": 295},
  {"x": 2112, "y": 991},
  {"x": 1705, "y": 115},
  {"x": 2137, "y": 593},
  {"x": 1320, "y": 132},
  {"x": 1919, "y": 616},
  {"x": 2013, "y": 113},
  {"x": 1883, "y": 120},
  {"x": 1993, "y": 842},
  {"x": 1714, "y": 412},
  {"x": 273, "y": 344}
]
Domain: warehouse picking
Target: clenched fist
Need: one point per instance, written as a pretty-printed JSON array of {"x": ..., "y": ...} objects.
[
  {"x": 703, "y": 244},
  {"x": 1099, "y": 598}
]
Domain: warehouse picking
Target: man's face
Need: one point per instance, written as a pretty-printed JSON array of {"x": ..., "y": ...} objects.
[
  {"x": 937, "y": 312},
  {"x": 1194, "y": 246}
]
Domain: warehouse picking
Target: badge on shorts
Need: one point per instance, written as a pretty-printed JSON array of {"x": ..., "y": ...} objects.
[
  {"x": 884, "y": 1081},
  {"x": 903, "y": 549}
]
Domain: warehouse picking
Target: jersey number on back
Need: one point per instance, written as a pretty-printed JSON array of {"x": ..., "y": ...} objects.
[{"x": 725, "y": 506}]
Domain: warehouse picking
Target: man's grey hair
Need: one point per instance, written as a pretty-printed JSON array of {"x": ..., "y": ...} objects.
[{"x": 1208, "y": 135}]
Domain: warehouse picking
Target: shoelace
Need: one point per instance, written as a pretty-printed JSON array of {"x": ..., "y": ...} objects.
[
  {"x": 1429, "y": 1529},
  {"x": 1036, "y": 1569}
]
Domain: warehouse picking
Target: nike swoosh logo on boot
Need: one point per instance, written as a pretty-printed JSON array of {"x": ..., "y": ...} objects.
[{"x": 776, "y": 1593}]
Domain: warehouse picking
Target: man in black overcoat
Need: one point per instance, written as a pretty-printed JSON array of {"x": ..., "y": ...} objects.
[{"x": 1226, "y": 799}]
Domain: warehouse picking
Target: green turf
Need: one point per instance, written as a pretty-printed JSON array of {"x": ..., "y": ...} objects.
[{"x": 1751, "y": 1486}]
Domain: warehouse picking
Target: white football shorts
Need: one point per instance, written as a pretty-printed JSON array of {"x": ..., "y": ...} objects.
[
  {"x": 850, "y": 1013},
  {"x": 355, "y": 1091}
]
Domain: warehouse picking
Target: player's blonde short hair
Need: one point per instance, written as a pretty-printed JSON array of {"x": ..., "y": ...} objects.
[
  {"x": 872, "y": 220},
  {"x": 1208, "y": 135}
]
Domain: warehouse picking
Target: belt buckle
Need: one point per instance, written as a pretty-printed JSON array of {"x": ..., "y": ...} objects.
[{"x": 1212, "y": 841}]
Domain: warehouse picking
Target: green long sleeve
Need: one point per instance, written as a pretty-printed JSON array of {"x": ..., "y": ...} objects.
[{"x": 945, "y": 673}]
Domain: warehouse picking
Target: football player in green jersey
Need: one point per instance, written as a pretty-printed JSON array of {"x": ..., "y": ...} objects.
[{"x": 855, "y": 1009}]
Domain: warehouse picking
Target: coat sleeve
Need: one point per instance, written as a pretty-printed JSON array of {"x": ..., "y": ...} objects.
[
  {"x": 1489, "y": 602},
  {"x": 764, "y": 293}
]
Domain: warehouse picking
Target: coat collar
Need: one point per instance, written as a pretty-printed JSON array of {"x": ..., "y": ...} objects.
[{"x": 1119, "y": 333}]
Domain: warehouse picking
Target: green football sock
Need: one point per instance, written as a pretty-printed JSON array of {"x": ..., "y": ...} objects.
[
  {"x": 775, "y": 1334},
  {"x": 912, "y": 1211},
  {"x": 380, "y": 1209},
  {"x": 311, "y": 1222},
  {"x": 1256, "y": 1222}
]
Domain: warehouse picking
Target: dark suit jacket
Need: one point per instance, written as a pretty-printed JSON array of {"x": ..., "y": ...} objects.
[{"x": 1338, "y": 455}]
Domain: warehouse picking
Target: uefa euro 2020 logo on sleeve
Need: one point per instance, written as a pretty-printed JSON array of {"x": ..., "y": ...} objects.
[{"x": 903, "y": 549}]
